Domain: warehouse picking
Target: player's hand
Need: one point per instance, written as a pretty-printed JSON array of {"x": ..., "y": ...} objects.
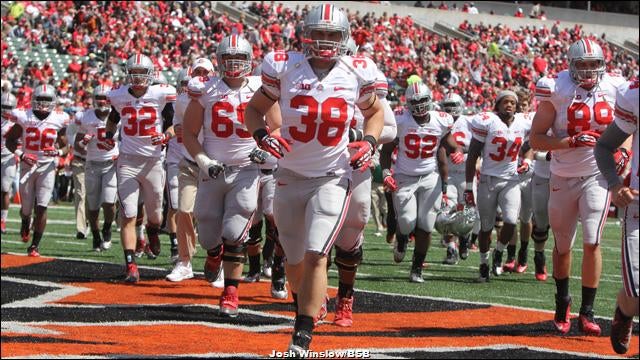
[
  {"x": 85, "y": 140},
  {"x": 108, "y": 144},
  {"x": 445, "y": 199},
  {"x": 364, "y": 153},
  {"x": 179, "y": 132},
  {"x": 211, "y": 167},
  {"x": 29, "y": 159},
  {"x": 258, "y": 156},
  {"x": 273, "y": 144},
  {"x": 159, "y": 139},
  {"x": 355, "y": 135},
  {"x": 468, "y": 198},
  {"x": 524, "y": 167},
  {"x": 457, "y": 157},
  {"x": 622, "y": 196},
  {"x": 584, "y": 139},
  {"x": 388, "y": 182},
  {"x": 51, "y": 151},
  {"x": 622, "y": 157}
]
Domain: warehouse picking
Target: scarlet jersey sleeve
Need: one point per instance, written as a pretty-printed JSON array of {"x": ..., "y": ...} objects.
[
  {"x": 274, "y": 65},
  {"x": 626, "y": 111},
  {"x": 546, "y": 88},
  {"x": 480, "y": 126}
]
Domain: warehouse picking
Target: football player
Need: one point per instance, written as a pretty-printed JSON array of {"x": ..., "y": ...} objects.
[
  {"x": 100, "y": 174},
  {"x": 317, "y": 92},
  {"x": 228, "y": 187},
  {"x": 497, "y": 137},
  {"x": 348, "y": 253},
  {"x": 577, "y": 105},
  {"x": 9, "y": 103},
  {"x": 611, "y": 163},
  {"x": 40, "y": 130},
  {"x": 416, "y": 178},
  {"x": 146, "y": 113}
]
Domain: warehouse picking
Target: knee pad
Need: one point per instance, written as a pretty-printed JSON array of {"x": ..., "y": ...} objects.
[
  {"x": 348, "y": 261},
  {"x": 216, "y": 251},
  {"x": 234, "y": 252},
  {"x": 540, "y": 236}
]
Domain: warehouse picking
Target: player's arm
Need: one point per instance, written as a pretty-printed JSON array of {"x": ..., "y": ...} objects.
[
  {"x": 612, "y": 139},
  {"x": 167, "y": 117},
  {"x": 112, "y": 123},
  {"x": 443, "y": 168},
  {"x": 475, "y": 149},
  {"x": 542, "y": 122},
  {"x": 12, "y": 138},
  {"x": 254, "y": 114},
  {"x": 62, "y": 142},
  {"x": 373, "y": 113},
  {"x": 385, "y": 163},
  {"x": 390, "y": 129},
  {"x": 192, "y": 124},
  {"x": 450, "y": 145}
]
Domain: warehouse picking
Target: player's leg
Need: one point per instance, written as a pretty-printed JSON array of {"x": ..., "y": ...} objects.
[
  {"x": 540, "y": 233},
  {"x": 208, "y": 212},
  {"x": 254, "y": 240},
  {"x": 390, "y": 218},
  {"x": 487, "y": 203},
  {"x": 509, "y": 201},
  {"x": 44, "y": 185},
  {"x": 8, "y": 175},
  {"x": 93, "y": 184},
  {"x": 406, "y": 209},
  {"x": 173, "y": 197},
  {"x": 271, "y": 232},
  {"x": 27, "y": 191},
  {"x": 563, "y": 218},
  {"x": 109, "y": 198},
  {"x": 428, "y": 198},
  {"x": 593, "y": 208},
  {"x": 128, "y": 168},
  {"x": 152, "y": 190},
  {"x": 79, "y": 196},
  {"x": 349, "y": 246}
]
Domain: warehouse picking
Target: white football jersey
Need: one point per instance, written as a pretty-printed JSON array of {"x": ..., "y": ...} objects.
[
  {"x": 226, "y": 137},
  {"x": 316, "y": 113},
  {"x": 577, "y": 110},
  {"x": 461, "y": 132},
  {"x": 91, "y": 124},
  {"x": 418, "y": 146},
  {"x": 626, "y": 117},
  {"x": 37, "y": 134},
  {"x": 502, "y": 143},
  {"x": 178, "y": 117},
  {"x": 7, "y": 124},
  {"x": 141, "y": 118},
  {"x": 542, "y": 168}
]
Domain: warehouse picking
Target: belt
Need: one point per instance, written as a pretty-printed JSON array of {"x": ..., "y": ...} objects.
[{"x": 266, "y": 171}]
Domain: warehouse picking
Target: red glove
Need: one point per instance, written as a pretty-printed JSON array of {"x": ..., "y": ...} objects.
[
  {"x": 50, "y": 151},
  {"x": 159, "y": 139},
  {"x": 107, "y": 144},
  {"x": 388, "y": 181},
  {"x": 29, "y": 159},
  {"x": 524, "y": 167},
  {"x": 468, "y": 198},
  {"x": 456, "y": 157},
  {"x": 364, "y": 153},
  {"x": 445, "y": 199},
  {"x": 273, "y": 144},
  {"x": 622, "y": 158},
  {"x": 584, "y": 139}
]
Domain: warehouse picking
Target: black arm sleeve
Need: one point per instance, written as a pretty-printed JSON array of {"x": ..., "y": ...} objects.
[
  {"x": 610, "y": 140},
  {"x": 167, "y": 115},
  {"x": 114, "y": 116}
]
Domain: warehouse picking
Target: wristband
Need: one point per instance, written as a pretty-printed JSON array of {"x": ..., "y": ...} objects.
[
  {"x": 469, "y": 185},
  {"x": 202, "y": 160},
  {"x": 260, "y": 133},
  {"x": 372, "y": 140},
  {"x": 108, "y": 135},
  {"x": 386, "y": 172},
  {"x": 444, "y": 187}
]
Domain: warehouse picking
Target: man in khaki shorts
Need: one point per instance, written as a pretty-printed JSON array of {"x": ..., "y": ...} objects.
[{"x": 144, "y": 111}]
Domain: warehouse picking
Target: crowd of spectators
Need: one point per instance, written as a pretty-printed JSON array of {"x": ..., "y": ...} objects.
[{"x": 174, "y": 34}]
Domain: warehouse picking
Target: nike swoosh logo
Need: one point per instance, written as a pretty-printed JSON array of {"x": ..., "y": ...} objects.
[
  {"x": 281, "y": 184},
  {"x": 338, "y": 88},
  {"x": 554, "y": 189}
]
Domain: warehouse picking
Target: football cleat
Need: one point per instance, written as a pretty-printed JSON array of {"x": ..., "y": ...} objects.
[
  {"x": 521, "y": 268},
  {"x": 266, "y": 269},
  {"x": 562, "y": 318},
  {"x": 400, "y": 249},
  {"x": 154, "y": 245},
  {"x": 25, "y": 236},
  {"x": 464, "y": 248},
  {"x": 452, "y": 256},
  {"x": 150, "y": 254},
  {"x": 182, "y": 271},
  {"x": 391, "y": 237},
  {"x": 322, "y": 313},
  {"x": 509, "y": 266},
  {"x": 132, "y": 275},
  {"x": 141, "y": 244},
  {"x": 229, "y": 302},
  {"x": 344, "y": 312},
  {"x": 80, "y": 235},
  {"x": 279, "y": 289},
  {"x": 416, "y": 276},
  {"x": 212, "y": 267},
  {"x": 299, "y": 344},
  {"x": 496, "y": 267},
  {"x": 541, "y": 268},
  {"x": 32, "y": 251},
  {"x": 484, "y": 273},
  {"x": 621, "y": 328},
  {"x": 588, "y": 325}
]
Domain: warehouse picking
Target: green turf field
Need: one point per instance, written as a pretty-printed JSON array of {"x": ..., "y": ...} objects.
[{"x": 378, "y": 271}]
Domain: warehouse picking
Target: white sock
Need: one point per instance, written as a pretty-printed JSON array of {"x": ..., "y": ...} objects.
[
  {"x": 452, "y": 244},
  {"x": 500, "y": 246},
  {"x": 484, "y": 257},
  {"x": 4, "y": 214},
  {"x": 140, "y": 231}
]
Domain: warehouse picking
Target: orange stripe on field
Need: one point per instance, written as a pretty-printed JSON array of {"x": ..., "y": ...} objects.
[{"x": 9, "y": 261}]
